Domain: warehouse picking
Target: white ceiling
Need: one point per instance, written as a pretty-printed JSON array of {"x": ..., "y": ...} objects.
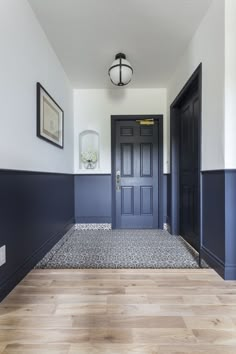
[{"x": 86, "y": 35}]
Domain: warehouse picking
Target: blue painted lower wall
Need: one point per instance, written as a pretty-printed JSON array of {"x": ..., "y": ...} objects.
[
  {"x": 36, "y": 209},
  {"x": 230, "y": 224},
  {"x": 213, "y": 219},
  {"x": 219, "y": 221},
  {"x": 93, "y": 198}
]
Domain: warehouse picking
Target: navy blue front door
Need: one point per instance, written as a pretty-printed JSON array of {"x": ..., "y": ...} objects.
[{"x": 136, "y": 166}]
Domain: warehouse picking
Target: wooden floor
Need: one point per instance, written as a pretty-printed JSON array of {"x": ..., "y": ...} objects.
[{"x": 120, "y": 312}]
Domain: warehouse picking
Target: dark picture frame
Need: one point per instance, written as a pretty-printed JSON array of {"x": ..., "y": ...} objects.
[{"x": 50, "y": 118}]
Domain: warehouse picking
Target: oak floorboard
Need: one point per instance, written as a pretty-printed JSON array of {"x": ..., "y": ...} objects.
[
  {"x": 113, "y": 349},
  {"x": 227, "y": 299},
  {"x": 25, "y": 299},
  {"x": 164, "y": 336},
  {"x": 36, "y": 349},
  {"x": 75, "y": 309},
  {"x": 110, "y": 284},
  {"x": 34, "y": 290},
  {"x": 120, "y": 311},
  {"x": 201, "y": 300},
  {"x": 172, "y": 310},
  {"x": 150, "y": 349},
  {"x": 66, "y": 336},
  {"x": 2, "y": 347},
  {"x": 164, "y": 299},
  {"x": 209, "y": 322},
  {"x": 27, "y": 310},
  {"x": 184, "y": 290},
  {"x": 216, "y": 336},
  {"x": 195, "y": 349}
]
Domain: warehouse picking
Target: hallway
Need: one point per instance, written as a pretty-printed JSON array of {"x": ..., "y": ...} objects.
[
  {"x": 117, "y": 135},
  {"x": 119, "y": 312}
]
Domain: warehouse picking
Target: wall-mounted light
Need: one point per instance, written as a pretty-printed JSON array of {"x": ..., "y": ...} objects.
[{"x": 120, "y": 71}]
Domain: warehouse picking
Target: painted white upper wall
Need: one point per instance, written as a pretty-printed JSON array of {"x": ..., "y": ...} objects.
[
  {"x": 207, "y": 47},
  {"x": 230, "y": 84},
  {"x": 27, "y": 57},
  {"x": 93, "y": 110}
]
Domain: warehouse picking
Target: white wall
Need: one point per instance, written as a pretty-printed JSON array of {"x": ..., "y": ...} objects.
[
  {"x": 207, "y": 46},
  {"x": 93, "y": 110},
  {"x": 26, "y": 57},
  {"x": 230, "y": 84}
]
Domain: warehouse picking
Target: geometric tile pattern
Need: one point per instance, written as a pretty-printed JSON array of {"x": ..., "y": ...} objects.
[{"x": 120, "y": 249}]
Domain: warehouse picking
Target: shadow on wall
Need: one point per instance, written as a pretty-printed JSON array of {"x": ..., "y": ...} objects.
[{"x": 116, "y": 94}]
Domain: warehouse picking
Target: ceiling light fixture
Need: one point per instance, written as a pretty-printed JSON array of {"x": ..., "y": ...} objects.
[{"x": 120, "y": 71}]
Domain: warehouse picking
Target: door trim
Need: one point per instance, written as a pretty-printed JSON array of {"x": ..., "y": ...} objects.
[
  {"x": 195, "y": 79},
  {"x": 114, "y": 119}
]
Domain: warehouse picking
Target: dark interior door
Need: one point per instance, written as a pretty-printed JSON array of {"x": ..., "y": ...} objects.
[
  {"x": 136, "y": 166},
  {"x": 190, "y": 169}
]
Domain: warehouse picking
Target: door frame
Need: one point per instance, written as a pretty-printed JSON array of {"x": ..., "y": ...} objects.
[
  {"x": 196, "y": 78},
  {"x": 159, "y": 119}
]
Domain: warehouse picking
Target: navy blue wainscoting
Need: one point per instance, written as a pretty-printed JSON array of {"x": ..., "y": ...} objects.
[
  {"x": 213, "y": 219},
  {"x": 230, "y": 224},
  {"x": 36, "y": 209},
  {"x": 93, "y": 198},
  {"x": 219, "y": 221}
]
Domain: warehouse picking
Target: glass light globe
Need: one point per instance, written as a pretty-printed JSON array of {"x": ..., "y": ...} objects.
[{"x": 120, "y": 71}]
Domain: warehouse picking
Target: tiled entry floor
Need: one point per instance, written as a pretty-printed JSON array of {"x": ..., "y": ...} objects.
[{"x": 120, "y": 249}]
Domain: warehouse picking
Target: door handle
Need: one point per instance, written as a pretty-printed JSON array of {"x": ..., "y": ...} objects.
[{"x": 117, "y": 180}]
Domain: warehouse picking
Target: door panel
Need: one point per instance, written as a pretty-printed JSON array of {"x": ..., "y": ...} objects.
[
  {"x": 189, "y": 170},
  {"x": 146, "y": 131},
  {"x": 146, "y": 200},
  {"x": 126, "y": 160},
  {"x": 146, "y": 160},
  {"x": 126, "y": 131},
  {"x": 137, "y": 160},
  {"x": 127, "y": 200}
]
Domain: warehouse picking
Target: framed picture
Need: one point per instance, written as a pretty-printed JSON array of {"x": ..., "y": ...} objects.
[{"x": 50, "y": 118}]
